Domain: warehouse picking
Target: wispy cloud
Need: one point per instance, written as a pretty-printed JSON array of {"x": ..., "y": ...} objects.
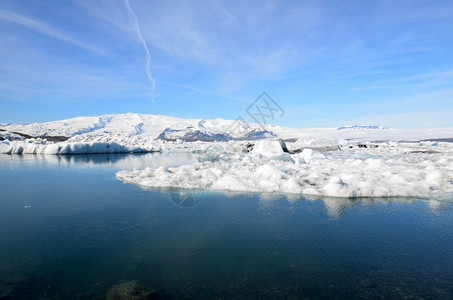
[{"x": 47, "y": 30}]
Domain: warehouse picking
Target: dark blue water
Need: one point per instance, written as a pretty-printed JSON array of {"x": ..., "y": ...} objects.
[{"x": 70, "y": 230}]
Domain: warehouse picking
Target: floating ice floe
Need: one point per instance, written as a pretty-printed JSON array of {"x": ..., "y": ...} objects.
[
  {"x": 67, "y": 148},
  {"x": 106, "y": 144},
  {"x": 357, "y": 172}
]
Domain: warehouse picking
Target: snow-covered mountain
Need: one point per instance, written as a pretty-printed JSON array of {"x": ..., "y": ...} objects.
[
  {"x": 143, "y": 125},
  {"x": 171, "y": 128}
]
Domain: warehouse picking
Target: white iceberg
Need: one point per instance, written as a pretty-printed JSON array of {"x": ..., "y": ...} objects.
[
  {"x": 274, "y": 149},
  {"x": 67, "y": 148},
  {"x": 377, "y": 172}
]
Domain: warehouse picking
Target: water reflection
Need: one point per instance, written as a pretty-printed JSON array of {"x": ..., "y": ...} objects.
[
  {"x": 121, "y": 161},
  {"x": 186, "y": 197},
  {"x": 335, "y": 207},
  {"x": 437, "y": 206}
]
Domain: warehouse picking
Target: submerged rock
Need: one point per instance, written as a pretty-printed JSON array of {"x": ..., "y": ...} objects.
[{"x": 132, "y": 291}]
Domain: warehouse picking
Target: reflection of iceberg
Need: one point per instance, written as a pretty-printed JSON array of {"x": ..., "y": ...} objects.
[
  {"x": 337, "y": 206},
  {"x": 119, "y": 161},
  {"x": 102, "y": 160},
  {"x": 186, "y": 197},
  {"x": 437, "y": 206},
  {"x": 131, "y": 161}
]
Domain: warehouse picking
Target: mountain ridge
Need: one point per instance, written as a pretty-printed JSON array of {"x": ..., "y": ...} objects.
[
  {"x": 145, "y": 125},
  {"x": 173, "y": 128}
]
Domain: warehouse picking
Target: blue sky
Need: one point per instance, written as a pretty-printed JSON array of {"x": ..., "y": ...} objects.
[{"x": 326, "y": 63}]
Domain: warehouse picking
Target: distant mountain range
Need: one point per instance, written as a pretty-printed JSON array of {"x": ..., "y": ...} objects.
[
  {"x": 155, "y": 126},
  {"x": 357, "y": 127},
  {"x": 171, "y": 128}
]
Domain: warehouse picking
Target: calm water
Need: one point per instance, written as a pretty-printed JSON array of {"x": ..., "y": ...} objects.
[{"x": 70, "y": 230}]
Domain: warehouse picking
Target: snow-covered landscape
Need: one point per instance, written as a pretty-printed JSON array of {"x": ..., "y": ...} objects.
[
  {"x": 226, "y": 149},
  {"x": 350, "y": 161}
]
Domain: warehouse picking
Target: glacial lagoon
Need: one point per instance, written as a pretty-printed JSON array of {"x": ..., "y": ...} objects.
[{"x": 70, "y": 230}]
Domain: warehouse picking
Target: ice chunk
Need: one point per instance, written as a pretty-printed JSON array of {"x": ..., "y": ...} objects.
[
  {"x": 307, "y": 155},
  {"x": 268, "y": 148},
  {"x": 360, "y": 172},
  {"x": 273, "y": 149},
  {"x": 435, "y": 178}
]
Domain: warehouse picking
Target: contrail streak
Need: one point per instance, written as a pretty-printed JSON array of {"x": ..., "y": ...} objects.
[{"x": 132, "y": 15}]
